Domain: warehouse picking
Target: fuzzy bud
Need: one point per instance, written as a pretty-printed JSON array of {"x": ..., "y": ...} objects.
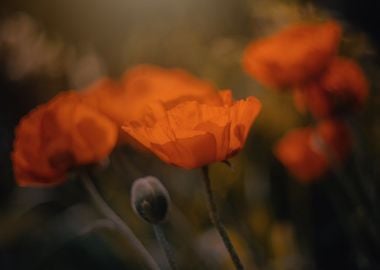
[{"x": 150, "y": 199}]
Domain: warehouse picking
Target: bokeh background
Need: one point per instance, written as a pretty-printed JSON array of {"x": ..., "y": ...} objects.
[{"x": 276, "y": 222}]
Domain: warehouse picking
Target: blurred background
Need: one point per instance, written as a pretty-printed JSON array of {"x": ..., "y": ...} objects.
[{"x": 275, "y": 222}]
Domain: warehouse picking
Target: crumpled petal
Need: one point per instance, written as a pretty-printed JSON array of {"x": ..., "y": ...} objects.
[{"x": 192, "y": 134}]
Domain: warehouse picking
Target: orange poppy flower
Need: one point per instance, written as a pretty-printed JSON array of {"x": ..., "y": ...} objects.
[
  {"x": 343, "y": 88},
  {"x": 302, "y": 152},
  {"x": 193, "y": 134},
  {"x": 294, "y": 55},
  {"x": 58, "y": 136}
]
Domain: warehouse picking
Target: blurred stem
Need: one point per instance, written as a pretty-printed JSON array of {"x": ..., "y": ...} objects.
[
  {"x": 98, "y": 224},
  {"x": 217, "y": 222},
  {"x": 368, "y": 187},
  {"x": 360, "y": 257},
  {"x": 87, "y": 180},
  {"x": 361, "y": 212},
  {"x": 165, "y": 246}
]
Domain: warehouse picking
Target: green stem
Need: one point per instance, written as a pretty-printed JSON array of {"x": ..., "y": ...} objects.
[
  {"x": 120, "y": 224},
  {"x": 165, "y": 246},
  {"x": 217, "y": 222}
]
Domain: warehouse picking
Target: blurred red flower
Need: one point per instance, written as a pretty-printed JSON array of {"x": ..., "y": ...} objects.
[
  {"x": 308, "y": 153},
  {"x": 343, "y": 88},
  {"x": 58, "y": 136},
  {"x": 294, "y": 55}
]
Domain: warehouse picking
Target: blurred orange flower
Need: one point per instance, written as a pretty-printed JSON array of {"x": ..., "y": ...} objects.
[
  {"x": 58, "y": 136},
  {"x": 107, "y": 97},
  {"x": 146, "y": 84},
  {"x": 343, "y": 88},
  {"x": 192, "y": 134},
  {"x": 308, "y": 152},
  {"x": 293, "y": 56}
]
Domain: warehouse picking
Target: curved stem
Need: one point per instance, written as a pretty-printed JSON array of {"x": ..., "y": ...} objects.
[
  {"x": 165, "y": 245},
  {"x": 120, "y": 224},
  {"x": 217, "y": 222}
]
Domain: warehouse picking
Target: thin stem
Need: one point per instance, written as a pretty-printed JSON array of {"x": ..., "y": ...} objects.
[
  {"x": 217, "y": 222},
  {"x": 363, "y": 216},
  {"x": 360, "y": 162},
  {"x": 165, "y": 246},
  {"x": 120, "y": 224},
  {"x": 361, "y": 259}
]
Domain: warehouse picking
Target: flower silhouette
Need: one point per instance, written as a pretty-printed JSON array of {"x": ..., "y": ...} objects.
[{"x": 58, "y": 136}]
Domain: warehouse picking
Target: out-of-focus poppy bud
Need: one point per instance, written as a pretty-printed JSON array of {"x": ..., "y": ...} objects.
[
  {"x": 150, "y": 199},
  {"x": 307, "y": 153},
  {"x": 293, "y": 56},
  {"x": 343, "y": 88},
  {"x": 193, "y": 134},
  {"x": 58, "y": 136}
]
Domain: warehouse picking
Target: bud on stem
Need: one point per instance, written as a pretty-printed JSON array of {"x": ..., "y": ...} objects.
[{"x": 150, "y": 199}]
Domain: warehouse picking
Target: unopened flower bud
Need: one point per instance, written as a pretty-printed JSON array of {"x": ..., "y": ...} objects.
[{"x": 150, "y": 199}]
